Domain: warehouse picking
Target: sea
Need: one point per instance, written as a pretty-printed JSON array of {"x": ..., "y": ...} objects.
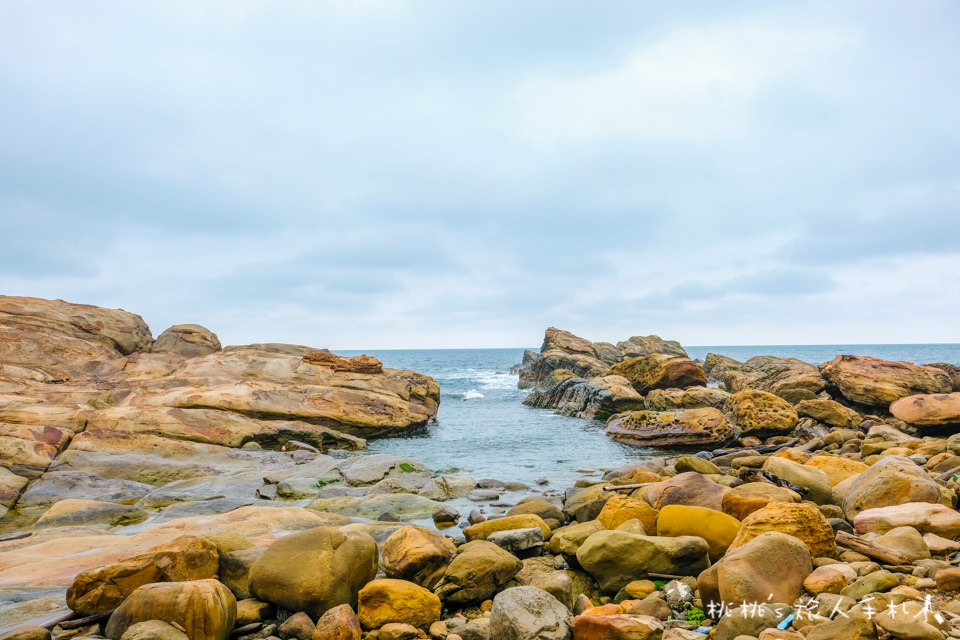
[{"x": 484, "y": 430}]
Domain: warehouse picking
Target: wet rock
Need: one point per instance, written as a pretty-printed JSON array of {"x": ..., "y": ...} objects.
[
  {"x": 528, "y": 613},
  {"x": 476, "y": 571},
  {"x": 400, "y": 601},
  {"x": 418, "y": 555},
  {"x": 877, "y": 383},
  {"x": 615, "y": 558},
  {"x": 314, "y": 570},
  {"x": 204, "y": 608}
]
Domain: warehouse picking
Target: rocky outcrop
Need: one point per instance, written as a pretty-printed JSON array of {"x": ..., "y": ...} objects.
[
  {"x": 660, "y": 371},
  {"x": 703, "y": 428},
  {"x": 877, "y": 383},
  {"x": 789, "y": 378},
  {"x": 187, "y": 340},
  {"x": 598, "y": 397}
]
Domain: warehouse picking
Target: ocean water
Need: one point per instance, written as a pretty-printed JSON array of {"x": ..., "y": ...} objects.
[{"x": 484, "y": 430}]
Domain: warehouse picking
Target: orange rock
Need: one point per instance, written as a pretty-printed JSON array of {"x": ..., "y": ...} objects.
[{"x": 620, "y": 509}]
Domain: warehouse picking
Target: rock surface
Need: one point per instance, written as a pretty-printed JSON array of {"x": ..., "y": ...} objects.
[
  {"x": 705, "y": 427},
  {"x": 877, "y": 383}
]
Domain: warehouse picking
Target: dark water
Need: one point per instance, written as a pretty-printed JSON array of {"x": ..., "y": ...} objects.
[{"x": 484, "y": 429}]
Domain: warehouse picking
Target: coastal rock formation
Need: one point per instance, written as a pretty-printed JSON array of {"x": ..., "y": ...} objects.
[
  {"x": 789, "y": 378},
  {"x": 660, "y": 371},
  {"x": 706, "y": 427},
  {"x": 187, "y": 340},
  {"x": 877, "y": 383}
]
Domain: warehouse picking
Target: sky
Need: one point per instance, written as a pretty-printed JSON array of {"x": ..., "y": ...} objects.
[{"x": 367, "y": 174}]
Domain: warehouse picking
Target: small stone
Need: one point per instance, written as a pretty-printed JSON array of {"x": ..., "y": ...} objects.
[
  {"x": 398, "y": 631},
  {"x": 338, "y": 623}
]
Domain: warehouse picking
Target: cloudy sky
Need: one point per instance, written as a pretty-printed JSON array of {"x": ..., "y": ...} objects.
[{"x": 378, "y": 174}]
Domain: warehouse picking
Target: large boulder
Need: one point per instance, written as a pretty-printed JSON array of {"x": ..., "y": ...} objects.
[
  {"x": 592, "y": 398},
  {"x": 528, "y": 613},
  {"x": 929, "y": 410},
  {"x": 563, "y": 350},
  {"x": 621, "y": 508},
  {"x": 637, "y": 346},
  {"x": 829, "y": 412},
  {"x": 820, "y": 489},
  {"x": 877, "y": 383},
  {"x": 741, "y": 501},
  {"x": 475, "y": 573},
  {"x": 716, "y": 527},
  {"x": 689, "y": 398},
  {"x": 187, "y": 340},
  {"x": 481, "y": 530},
  {"x": 615, "y": 558},
  {"x": 761, "y": 414},
  {"x": 699, "y": 428},
  {"x": 660, "y": 371},
  {"x": 892, "y": 480},
  {"x": 390, "y": 600},
  {"x": 315, "y": 570},
  {"x": 205, "y": 609},
  {"x": 837, "y": 469},
  {"x": 187, "y": 558},
  {"x": 791, "y": 379},
  {"x": 802, "y": 521},
  {"x": 768, "y": 568},
  {"x": 688, "y": 488},
  {"x": 925, "y": 517},
  {"x": 418, "y": 555}
]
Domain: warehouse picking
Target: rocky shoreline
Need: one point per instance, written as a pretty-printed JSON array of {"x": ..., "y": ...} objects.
[{"x": 175, "y": 489}]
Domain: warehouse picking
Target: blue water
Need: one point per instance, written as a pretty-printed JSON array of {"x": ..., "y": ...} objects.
[{"x": 484, "y": 430}]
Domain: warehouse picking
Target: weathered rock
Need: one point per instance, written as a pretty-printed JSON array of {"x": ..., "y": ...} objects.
[
  {"x": 520, "y": 542},
  {"x": 791, "y": 379},
  {"x": 390, "y": 600},
  {"x": 314, "y": 570},
  {"x": 563, "y": 350},
  {"x": 356, "y": 364},
  {"x": 877, "y": 383},
  {"x": 761, "y": 414},
  {"x": 875, "y": 582},
  {"x": 706, "y": 427},
  {"x": 907, "y": 541},
  {"x": 187, "y": 340},
  {"x": 843, "y": 628},
  {"x": 250, "y": 610},
  {"x": 741, "y": 501},
  {"x": 929, "y": 410},
  {"x": 538, "y": 506},
  {"x": 802, "y": 521},
  {"x": 925, "y": 517},
  {"x": 836, "y": 468},
  {"x": 892, "y": 480},
  {"x": 620, "y": 508},
  {"x": 398, "y": 631},
  {"x": 153, "y": 630},
  {"x": 338, "y": 623},
  {"x": 616, "y": 627},
  {"x": 690, "y": 488},
  {"x": 187, "y": 558},
  {"x": 204, "y": 608},
  {"x": 418, "y": 555},
  {"x": 476, "y": 571},
  {"x": 769, "y": 568},
  {"x": 528, "y": 613},
  {"x": 594, "y": 398},
  {"x": 829, "y": 412},
  {"x": 660, "y": 371},
  {"x": 637, "y": 346},
  {"x": 690, "y": 398},
  {"x": 234, "y": 570},
  {"x": 399, "y": 506},
  {"x": 716, "y": 527},
  {"x": 750, "y": 620},
  {"x": 912, "y": 620},
  {"x": 566, "y": 540},
  {"x": 73, "y": 512},
  {"x": 299, "y": 626},
  {"x": 614, "y": 558},
  {"x": 830, "y": 578},
  {"x": 27, "y": 632}
]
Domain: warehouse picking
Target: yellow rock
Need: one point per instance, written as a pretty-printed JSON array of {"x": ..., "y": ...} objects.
[
  {"x": 481, "y": 530},
  {"x": 837, "y": 469},
  {"x": 204, "y": 608},
  {"x": 716, "y": 527},
  {"x": 802, "y": 521},
  {"x": 399, "y": 601},
  {"x": 640, "y": 589},
  {"x": 741, "y": 501},
  {"x": 619, "y": 509}
]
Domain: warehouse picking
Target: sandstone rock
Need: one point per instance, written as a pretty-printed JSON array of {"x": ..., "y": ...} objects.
[
  {"x": 751, "y": 620},
  {"x": 802, "y": 521},
  {"x": 234, "y": 570},
  {"x": 923, "y": 516},
  {"x": 204, "y": 608},
  {"x": 681, "y": 428},
  {"x": 620, "y": 508},
  {"x": 356, "y": 364},
  {"x": 791, "y": 379},
  {"x": 338, "y": 623},
  {"x": 314, "y": 570},
  {"x": 761, "y": 414},
  {"x": 399, "y": 506},
  {"x": 893, "y": 480},
  {"x": 741, "y": 501},
  {"x": 538, "y": 506},
  {"x": 829, "y": 412},
  {"x": 27, "y": 632},
  {"x": 563, "y": 350},
  {"x": 926, "y": 410},
  {"x": 693, "y": 463},
  {"x": 481, "y": 530},
  {"x": 716, "y": 527},
  {"x": 390, "y": 600},
  {"x": 299, "y": 626},
  {"x": 768, "y": 568},
  {"x": 877, "y": 383},
  {"x": 528, "y": 613},
  {"x": 844, "y": 629},
  {"x": 520, "y": 542},
  {"x": 692, "y": 489},
  {"x": 73, "y": 512},
  {"x": 566, "y": 540},
  {"x": 690, "y": 398},
  {"x": 907, "y": 541},
  {"x": 875, "y": 582},
  {"x": 153, "y": 630},
  {"x": 187, "y": 340},
  {"x": 596, "y": 398},
  {"x": 615, "y": 558},
  {"x": 616, "y": 627},
  {"x": 911, "y": 620},
  {"x": 251, "y": 610},
  {"x": 660, "y": 371},
  {"x": 637, "y": 346},
  {"x": 398, "y": 631},
  {"x": 831, "y": 578},
  {"x": 802, "y": 475},
  {"x": 836, "y": 468},
  {"x": 187, "y": 558},
  {"x": 418, "y": 555},
  {"x": 476, "y": 571}
]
